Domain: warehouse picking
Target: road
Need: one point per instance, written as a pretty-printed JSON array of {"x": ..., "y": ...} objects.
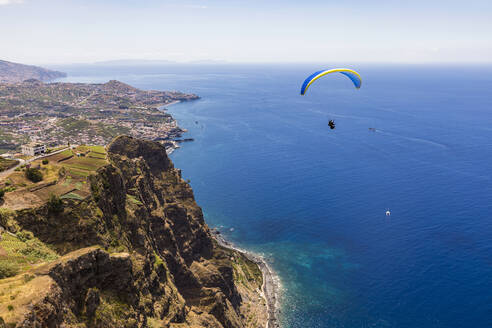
[{"x": 6, "y": 173}]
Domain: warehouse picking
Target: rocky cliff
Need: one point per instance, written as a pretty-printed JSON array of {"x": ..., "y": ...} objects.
[
  {"x": 136, "y": 253},
  {"x": 13, "y": 72}
]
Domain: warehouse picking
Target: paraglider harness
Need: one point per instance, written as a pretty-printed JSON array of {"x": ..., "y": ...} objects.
[{"x": 331, "y": 124}]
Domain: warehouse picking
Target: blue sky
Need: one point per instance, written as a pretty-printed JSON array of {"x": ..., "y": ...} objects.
[{"x": 68, "y": 31}]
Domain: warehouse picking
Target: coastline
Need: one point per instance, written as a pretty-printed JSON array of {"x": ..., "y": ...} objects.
[
  {"x": 171, "y": 103},
  {"x": 271, "y": 282},
  {"x": 171, "y": 149},
  {"x": 163, "y": 108}
]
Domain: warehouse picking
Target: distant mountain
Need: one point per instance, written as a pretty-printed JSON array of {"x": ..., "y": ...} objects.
[
  {"x": 134, "y": 62},
  {"x": 157, "y": 62},
  {"x": 13, "y": 72}
]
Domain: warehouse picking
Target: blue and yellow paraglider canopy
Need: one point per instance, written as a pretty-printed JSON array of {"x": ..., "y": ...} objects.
[{"x": 351, "y": 74}]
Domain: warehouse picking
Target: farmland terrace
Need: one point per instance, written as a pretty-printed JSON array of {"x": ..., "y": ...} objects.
[{"x": 64, "y": 175}]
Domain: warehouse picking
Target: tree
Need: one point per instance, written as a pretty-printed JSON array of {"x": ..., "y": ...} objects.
[
  {"x": 34, "y": 174},
  {"x": 55, "y": 204}
]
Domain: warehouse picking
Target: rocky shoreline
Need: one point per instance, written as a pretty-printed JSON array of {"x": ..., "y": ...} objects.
[{"x": 271, "y": 282}]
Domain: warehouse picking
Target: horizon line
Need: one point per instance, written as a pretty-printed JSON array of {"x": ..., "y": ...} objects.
[{"x": 164, "y": 62}]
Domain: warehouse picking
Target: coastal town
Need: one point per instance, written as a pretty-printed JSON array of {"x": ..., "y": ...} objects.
[{"x": 59, "y": 114}]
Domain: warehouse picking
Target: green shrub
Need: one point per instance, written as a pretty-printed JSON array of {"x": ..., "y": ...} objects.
[
  {"x": 24, "y": 235},
  {"x": 6, "y": 218},
  {"x": 55, "y": 204},
  {"x": 34, "y": 174},
  {"x": 45, "y": 161},
  {"x": 2, "y": 193},
  {"x": 28, "y": 277},
  {"x": 8, "y": 269},
  {"x": 9, "y": 188},
  {"x": 10, "y": 307}
]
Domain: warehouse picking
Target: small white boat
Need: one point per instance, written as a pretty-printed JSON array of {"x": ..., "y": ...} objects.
[{"x": 388, "y": 213}]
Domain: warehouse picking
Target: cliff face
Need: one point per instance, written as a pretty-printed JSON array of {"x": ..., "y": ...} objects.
[
  {"x": 137, "y": 253},
  {"x": 13, "y": 72}
]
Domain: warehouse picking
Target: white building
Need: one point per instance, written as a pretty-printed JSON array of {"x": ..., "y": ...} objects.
[{"x": 33, "y": 149}]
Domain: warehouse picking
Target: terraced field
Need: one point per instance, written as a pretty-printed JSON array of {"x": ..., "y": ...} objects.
[
  {"x": 64, "y": 175},
  {"x": 6, "y": 164}
]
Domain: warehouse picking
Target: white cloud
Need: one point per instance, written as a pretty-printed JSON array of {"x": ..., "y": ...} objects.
[{"x": 10, "y": 2}]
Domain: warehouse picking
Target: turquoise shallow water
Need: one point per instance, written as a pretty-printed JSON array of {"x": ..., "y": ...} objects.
[{"x": 265, "y": 165}]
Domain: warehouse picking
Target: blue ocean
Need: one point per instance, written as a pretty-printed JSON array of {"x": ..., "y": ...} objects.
[{"x": 274, "y": 178}]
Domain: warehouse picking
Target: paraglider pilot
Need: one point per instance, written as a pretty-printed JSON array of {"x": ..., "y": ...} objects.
[{"x": 331, "y": 124}]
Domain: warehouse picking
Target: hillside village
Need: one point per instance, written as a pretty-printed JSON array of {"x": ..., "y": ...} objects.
[{"x": 56, "y": 114}]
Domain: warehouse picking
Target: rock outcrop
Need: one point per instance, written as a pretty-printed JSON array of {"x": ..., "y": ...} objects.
[{"x": 136, "y": 254}]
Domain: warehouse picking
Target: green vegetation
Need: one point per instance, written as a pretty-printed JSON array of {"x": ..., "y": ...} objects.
[
  {"x": 111, "y": 131},
  {"x": 6, "y": 164},
  {"x": 113, "y": 310},
  {"x": 55, "y": 204},
  {"x": 2, "y": 193},
  {"x": 72, "y": 195},
  {"x": 34, "y": 174},
  {"x": 66, "y": 153},
  {"x": 73, "y": 125},
  {"x": 245, "y": 270},
  {"x": 79, "y": 173},
  {"x": 62, "y": 174},
  {"x": 24, "y": 235},
  {"x": 97, "y": 155},
  {"x": 9, "y": 189},
  {"x": 132, "y": 199},
  {"x": 21, "y": 251},
  {"x": 158, "y": 261},
  {"x": 98, "y": 149},
  {"x": 84, "y": 163},
  {"x": 8, "y": 269},
  {"x": 28, "y": 277},
  {"x": 51, "y": 150},
  {"x": 7, "y": 218}
]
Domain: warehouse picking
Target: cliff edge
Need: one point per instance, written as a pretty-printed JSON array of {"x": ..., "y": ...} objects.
[{"x": 135, "y": 253}]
